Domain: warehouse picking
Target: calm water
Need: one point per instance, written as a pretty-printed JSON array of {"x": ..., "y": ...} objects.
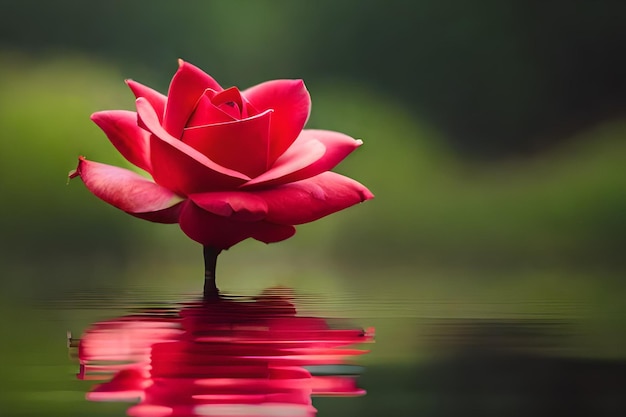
[{"x": 287, "y": 352}]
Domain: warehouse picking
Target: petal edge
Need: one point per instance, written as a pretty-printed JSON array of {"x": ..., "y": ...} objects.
[
  {"x": 120, "y": 126},
  {"x": 311, "y": 199},
  {"x": 124, "y": 189}
]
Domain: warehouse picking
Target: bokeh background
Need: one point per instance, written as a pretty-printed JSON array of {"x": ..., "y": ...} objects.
[{"x": 494, "y": 142}]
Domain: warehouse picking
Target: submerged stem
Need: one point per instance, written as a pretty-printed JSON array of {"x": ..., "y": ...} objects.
[{"x": 210, "y": 262}]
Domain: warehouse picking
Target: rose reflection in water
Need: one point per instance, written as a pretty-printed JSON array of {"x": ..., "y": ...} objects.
[{"x": 221, "y": 357}]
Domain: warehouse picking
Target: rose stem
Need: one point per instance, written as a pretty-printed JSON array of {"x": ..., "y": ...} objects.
[{"x": 210, "y": 262}]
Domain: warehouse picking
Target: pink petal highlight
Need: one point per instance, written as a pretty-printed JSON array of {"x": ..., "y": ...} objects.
[
  {"x": 238, "y": 205},
  {"x": 221, "y": 232},
  {"x": 308, "y": 200},
  {"x": 240, "y": 145},
  {"x": 156, "y": 99},
  {"x": 124, "y": 189},
  {"x": 130, "y": 140},
  {"x": 186, "y": 88},
  {"x": 291, "y": 103},
  {"x": 179, "y": 167}
]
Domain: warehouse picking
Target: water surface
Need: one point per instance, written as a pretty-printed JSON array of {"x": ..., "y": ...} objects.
[{"x": 431, "y": 354}]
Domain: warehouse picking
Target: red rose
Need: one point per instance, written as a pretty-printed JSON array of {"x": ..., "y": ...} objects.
[{"x": 226, "y": 164}]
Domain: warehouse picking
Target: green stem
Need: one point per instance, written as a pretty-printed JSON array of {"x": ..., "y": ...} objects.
[{"x": 210, "y": 263}]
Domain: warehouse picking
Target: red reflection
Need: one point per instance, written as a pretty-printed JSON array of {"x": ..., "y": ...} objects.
[{"x": 221, "y": 357}]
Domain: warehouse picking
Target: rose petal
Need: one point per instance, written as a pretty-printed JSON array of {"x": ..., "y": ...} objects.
[
  {"x": 231, "y": 102},
  {"x": 241, "y": 145},
  {"x": 127, "y": 190},
  {"x": 221, "y": 232},
  {"x": 291, "y": 103},
  {"x": 186, "y": 88},
  {"x": 308, "y": 200},
  {"x": 156, "y": 99},
  {"x": 179, "y": 167},
  {"x": 206, "y": 113},
  {"x": 130, "y": 140},
  {"x": 306, "y": 158},
  {"x": 297, "y": 158},
  {"x": 238, "y": 205},
  {"x": 168, "y": 215}
]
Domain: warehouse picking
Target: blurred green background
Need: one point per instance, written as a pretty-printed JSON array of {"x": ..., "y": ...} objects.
[{"x": 494, "y": 143}]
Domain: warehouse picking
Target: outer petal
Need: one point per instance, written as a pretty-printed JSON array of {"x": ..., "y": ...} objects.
[
  {"x": 241, "y": 145},
  {"x": 301, "y": 161},
  {"x": 127, "y": 190},
  {"x": 222, "y": 233},
  {"x": 156, "y": 99},
  {"x": 292, "y": 105},
  {"x": 238, "y": 205},
  {"x": 297, "y": 158},
  {"x": 179, "y": 167},
  {"x": 168, "y": 215},
  {"x": 130, "y": 140},
  {"x": 186, "y": 88},
  {"x": 308, "y": 200}
]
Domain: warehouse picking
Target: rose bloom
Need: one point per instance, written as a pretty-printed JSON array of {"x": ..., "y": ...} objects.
[{"x": 226, "y": 164}]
